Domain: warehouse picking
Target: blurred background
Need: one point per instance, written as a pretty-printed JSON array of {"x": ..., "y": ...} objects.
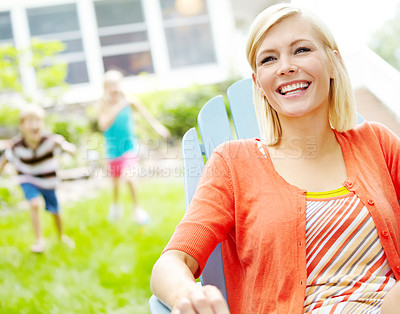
[{"x": 175, "y": 55}]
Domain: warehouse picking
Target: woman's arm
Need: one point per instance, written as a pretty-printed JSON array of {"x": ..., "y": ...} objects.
[
  {"x": 172, "y": 281},
  {"x": 391, "y": 301}
]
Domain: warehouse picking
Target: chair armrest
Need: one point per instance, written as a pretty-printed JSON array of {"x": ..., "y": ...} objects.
[{"x": 156, "y": 307}]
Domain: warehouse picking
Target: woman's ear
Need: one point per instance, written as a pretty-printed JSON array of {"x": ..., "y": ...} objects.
[
  {"x": 257, "y": 84},
  {"x": 338, "y": 57}
]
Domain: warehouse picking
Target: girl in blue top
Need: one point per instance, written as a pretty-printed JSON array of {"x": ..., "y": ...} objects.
[{"x": 122, "y": 146}]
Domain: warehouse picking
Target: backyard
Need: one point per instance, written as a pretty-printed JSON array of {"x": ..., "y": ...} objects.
[{"x": 107, "y": 272}]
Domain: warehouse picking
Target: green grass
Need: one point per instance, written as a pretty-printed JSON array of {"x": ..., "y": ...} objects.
[{"x": 107, "y": 272}]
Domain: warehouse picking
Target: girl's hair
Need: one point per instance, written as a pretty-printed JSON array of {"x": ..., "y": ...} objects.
[
  {"x": 342, "y": 107},
  {"x": 113, "y": 76},
  {"x": 31, "y": 110}
]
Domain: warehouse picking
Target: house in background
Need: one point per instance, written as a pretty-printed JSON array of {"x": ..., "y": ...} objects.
[{"x": 170, "y": 43}]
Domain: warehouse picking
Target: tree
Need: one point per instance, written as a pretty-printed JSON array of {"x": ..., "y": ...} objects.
[
  {"x": 9, "y": 69},
  {"x": 386, "y": 41},
  {"x": 43, "y": 56},
  {"x": 50, "y": 72}
]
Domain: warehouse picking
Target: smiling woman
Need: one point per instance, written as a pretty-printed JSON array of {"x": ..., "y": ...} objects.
[{"x": 301, "y": 232}]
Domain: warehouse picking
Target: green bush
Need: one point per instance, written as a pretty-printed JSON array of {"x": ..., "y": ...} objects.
[
  {"x": 8, "y": 199},
  {"x": 43, "y": 57},
  {"x": 178, "y": 109},
  {"x": 9, "y": 68},
  {"x": 71, "y": 130},
  {"x": 9, "y": 116}
]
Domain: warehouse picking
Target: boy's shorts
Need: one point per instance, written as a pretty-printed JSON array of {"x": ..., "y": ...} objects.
[
  {"x": 127, "y": 160},
  {"x": 50, "y": 199}
]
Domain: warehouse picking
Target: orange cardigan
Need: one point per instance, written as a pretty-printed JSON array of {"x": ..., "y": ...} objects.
[{"x": 242, "y": 201}]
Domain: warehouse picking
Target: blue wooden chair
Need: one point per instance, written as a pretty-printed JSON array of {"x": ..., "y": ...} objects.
[{"x": 214, "y": 127}]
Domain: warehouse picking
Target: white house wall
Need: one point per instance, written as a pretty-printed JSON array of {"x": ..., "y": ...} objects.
[{"x": 223, "y": 32}]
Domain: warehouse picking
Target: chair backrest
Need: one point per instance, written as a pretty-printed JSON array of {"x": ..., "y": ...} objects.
[{"x": 214, "y": 127}]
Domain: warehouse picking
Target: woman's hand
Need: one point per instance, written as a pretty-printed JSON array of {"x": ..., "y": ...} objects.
[
  {"x": 201, "y": 300},
  {"x": 172, "y": 281}
]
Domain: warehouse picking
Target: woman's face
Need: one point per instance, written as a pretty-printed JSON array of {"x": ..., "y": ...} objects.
[{"x": 292, "y": 68}]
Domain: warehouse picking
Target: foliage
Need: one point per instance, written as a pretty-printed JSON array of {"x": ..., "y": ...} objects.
[
  {"x": 385, "y": 42},
  {"x": 9, "y": 68},
  {"x": 71, "y": 129},
  {"x": 9, "y": 116},
  {"x": 43, "y": 56},
  {"x": 8, "y": 199},
  {"x": 50, "y": 72},
  {"x": 107, "y": 272},
  {"x": 178, "y": 109}
]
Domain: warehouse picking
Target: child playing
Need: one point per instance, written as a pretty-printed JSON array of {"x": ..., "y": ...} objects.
[
  {"x": 33, "y": 155},
  {"x": 117, "y": 123}
]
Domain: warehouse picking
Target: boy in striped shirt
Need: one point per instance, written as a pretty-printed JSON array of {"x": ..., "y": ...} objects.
[{"x": 33, "y": 156}]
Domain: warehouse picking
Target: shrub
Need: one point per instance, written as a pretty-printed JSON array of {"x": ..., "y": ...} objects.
[
  {"x": 9, "y": 199},
  {"x": 9, "y": 116},
  {"x": 9, "y": 68},
  {"x": 9, "y": 119},
  {"x": 71, "y": 129},
  {"x": 178, "y": 109}
]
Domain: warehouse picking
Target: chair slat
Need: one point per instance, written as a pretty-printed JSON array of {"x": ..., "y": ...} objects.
[
  {"x": 214, "y": 124},
  {"x": 213, "y": 272},
  {"x": 156, "y": 307},
  {"x": 193, "y": 163},
  {"x": 240, "y": 96},
  {"x": 214, "y": 129}
]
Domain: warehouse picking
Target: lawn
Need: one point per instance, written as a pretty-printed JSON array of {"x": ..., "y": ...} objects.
[{"x": 107, "y": 272}]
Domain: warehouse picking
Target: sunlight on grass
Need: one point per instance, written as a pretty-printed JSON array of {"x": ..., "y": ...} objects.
[{"x": 107, "y": 272}]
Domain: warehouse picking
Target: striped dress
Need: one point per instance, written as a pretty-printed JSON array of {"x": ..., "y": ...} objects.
[
  {"x": 36, "y": 166},
  {"x": 347, "y": 269}
]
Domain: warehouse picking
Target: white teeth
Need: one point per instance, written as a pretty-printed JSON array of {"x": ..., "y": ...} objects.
[{"x": 288, "y": 88}]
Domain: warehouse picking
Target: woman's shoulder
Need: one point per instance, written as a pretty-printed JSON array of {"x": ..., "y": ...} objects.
[
  {"x": 237, "y": 148},
  {"x": 369, "y": 132},
  {"x": 367, "y": 128}
]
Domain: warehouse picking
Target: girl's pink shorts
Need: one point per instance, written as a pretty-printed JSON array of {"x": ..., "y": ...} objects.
[{"x": 117, "y": 165}]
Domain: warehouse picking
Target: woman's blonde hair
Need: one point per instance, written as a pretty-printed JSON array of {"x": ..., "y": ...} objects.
[{"x": 342, "y": 107}]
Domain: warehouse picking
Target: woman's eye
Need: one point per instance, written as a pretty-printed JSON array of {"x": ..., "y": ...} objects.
[
  {"x": 302, "y": 49},
  {"x": 267, "y": 59}
]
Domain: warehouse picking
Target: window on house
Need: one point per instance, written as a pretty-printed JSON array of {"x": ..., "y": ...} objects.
[
  {"x": 61, "y": 22},
  {"x": 188, "y": 32},
  {"x": 123, "y": 36},
  {"x": 6, "y": 33}
]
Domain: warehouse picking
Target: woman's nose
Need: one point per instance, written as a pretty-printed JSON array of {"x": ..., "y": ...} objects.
[{"x": 286, "y": 66}]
